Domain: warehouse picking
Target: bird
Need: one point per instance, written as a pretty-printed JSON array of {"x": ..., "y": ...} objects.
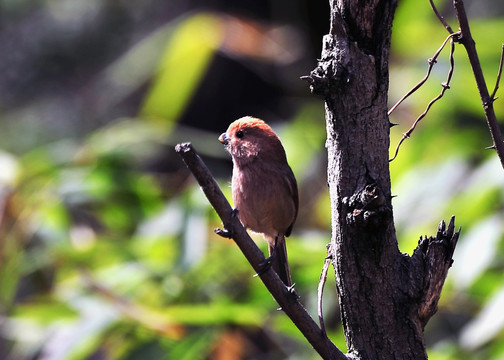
[{"x": 264, "y": 188}]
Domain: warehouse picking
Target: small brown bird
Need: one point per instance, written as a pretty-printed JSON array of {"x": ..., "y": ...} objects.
[{"x": 264, "y": 188}]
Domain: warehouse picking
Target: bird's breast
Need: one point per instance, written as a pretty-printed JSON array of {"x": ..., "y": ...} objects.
[{"x": 263, "y": 199}]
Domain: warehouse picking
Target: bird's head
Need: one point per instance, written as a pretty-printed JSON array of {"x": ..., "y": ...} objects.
[{"x": 250, "y": 138}]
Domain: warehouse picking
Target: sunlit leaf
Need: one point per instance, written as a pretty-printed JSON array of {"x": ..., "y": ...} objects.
[
  {"x": 45, "y": 311},
  {"x": 186, "y": 57}
]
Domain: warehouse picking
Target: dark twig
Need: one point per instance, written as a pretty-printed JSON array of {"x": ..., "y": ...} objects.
[
  {"x": 470, "y": 46},
  {"x": 445, "y": 85},
  {"x": 499, "y": 73},
  {"x": 320, "y": 292},
  {"x": 431, "y": 61},
  {"x": 282, "y": 294},
  {"x": 440, "y": 17}
]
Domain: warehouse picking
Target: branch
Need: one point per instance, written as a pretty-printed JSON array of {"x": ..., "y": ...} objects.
[
  {"x": 440, "y": 17},
  {"x": 445, "y": 85},
  {"x": 499, "y": 73},
  {"x": 234, "y": 229},
  {"x": 431, "y": 62},
  {"x": 470, "y": 46},
  {"x": 322, "y": 281},
  {"x": 434, "y": 255}
]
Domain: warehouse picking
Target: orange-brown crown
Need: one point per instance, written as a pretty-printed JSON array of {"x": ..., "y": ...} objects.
[{"x": 249, "y": 137}]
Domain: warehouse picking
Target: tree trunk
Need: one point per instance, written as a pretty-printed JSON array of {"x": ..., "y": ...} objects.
[{"x": 386, "y": 297}]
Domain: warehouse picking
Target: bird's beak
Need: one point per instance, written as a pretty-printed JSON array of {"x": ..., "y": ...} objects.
[{"x": 223, "y": 138}]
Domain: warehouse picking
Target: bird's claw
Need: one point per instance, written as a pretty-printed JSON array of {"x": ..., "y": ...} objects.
[
  {"x": 225, "y": 233},
  {"x": 264, "y": 266}
]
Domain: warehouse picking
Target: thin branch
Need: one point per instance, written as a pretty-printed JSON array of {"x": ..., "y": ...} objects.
[
  {"x": 233, "y": 228},
  {"x": 320, "y": 290},
  {"x": 431, "y": 61},
  {"x": 470, "y": 46},
  {"x": 440, "y": 17},
  {"x": 445, "y": 85},
  {"x": 499, "y": 73}
]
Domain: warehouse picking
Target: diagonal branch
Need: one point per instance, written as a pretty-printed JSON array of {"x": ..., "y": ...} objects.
[
  {"x": 234, "y": 229},
  {"x": 431, "y": 61},
  {"x": 440, "y": 17},
  {"x": 499, "y": 73},
  {"x": 470, "y": 46},
  {"x": 445, "y": 85}
]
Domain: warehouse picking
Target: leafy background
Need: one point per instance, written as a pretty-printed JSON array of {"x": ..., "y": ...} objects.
[{"x": 106, "y": 243}]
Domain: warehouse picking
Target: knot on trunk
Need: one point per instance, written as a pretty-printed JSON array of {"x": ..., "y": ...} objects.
[
  {"x": 331, "y": 72},
  {"x": 368, "y": 208}
]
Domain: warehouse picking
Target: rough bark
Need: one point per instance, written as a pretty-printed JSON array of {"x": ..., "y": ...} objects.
[{"x": 386, "y": 297}]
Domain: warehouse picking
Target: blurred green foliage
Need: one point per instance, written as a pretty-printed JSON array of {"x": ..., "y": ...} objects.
[{"x": 100, "y": 258}]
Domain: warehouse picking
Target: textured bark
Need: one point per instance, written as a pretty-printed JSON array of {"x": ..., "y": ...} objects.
[{"x": 386, "y": 297}]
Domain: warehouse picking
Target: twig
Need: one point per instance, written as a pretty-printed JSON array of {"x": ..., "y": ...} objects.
[
  {"x": 287, "y": 301},
  {"x": 445, "y": 85},
  {"x": 431, "y": 61},
  {"x": 440, "y": 17},
  {"x": 499, "y": 73},
  {"x": 320, "y": 292},
  {"x": 470, "y": 46}
]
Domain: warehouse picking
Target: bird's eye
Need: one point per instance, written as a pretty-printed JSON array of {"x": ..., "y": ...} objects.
[{"x": 239, "y": 134}]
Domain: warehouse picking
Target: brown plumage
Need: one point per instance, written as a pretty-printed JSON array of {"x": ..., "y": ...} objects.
[{"x": 264, "y": 188}]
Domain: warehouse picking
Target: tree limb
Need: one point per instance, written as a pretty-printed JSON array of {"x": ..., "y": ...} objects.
[
  {"x": 470, "y": 46},
  {"x": 234, "y": 229},
  {"x": 499, "y": 73},
  {"x": 440, "y": 17},
  {"x": 445, "y": 86}
]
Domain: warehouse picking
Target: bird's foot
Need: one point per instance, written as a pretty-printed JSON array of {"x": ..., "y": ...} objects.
[
  {"x": 264, "y": 266},
  {"x": 225, "y": 233}
]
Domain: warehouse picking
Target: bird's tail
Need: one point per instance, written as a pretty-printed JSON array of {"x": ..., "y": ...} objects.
[{"x": 278, "y": 254}]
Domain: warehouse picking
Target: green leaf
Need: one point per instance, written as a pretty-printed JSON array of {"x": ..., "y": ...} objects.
[
  {"x": 45, "y": 311},
  {"x": 186, "y": 58}
]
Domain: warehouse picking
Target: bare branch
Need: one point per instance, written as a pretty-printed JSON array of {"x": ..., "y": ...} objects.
[
  {"x": 234, "y": 229},
  {"x": 470, "y": 46},
  {"x": 322, "y": 281},
  {"x": 499, "y": 73},
  {"x": 445, "y": 85},
  {"x": 431, "y": 61},
  {"x": 440, "y": 17}
]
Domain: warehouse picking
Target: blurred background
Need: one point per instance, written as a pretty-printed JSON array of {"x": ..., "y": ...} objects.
[{"x": 107, "y": 248}]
